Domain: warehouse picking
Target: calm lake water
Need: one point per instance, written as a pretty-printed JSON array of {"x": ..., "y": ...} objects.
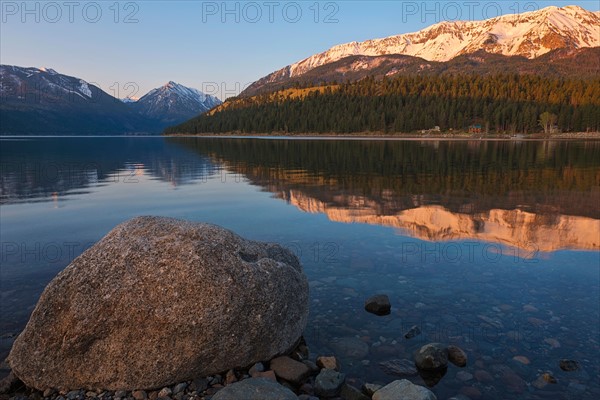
[{"x": 492, "y": 246}]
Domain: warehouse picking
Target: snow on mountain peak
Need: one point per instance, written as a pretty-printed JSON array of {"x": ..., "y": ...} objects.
[
  {"x": 174, "y": 98},
  {"x": 530, "y": 34}
]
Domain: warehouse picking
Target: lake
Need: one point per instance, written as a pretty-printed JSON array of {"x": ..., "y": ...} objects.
[{"x": 490, "y": 245}]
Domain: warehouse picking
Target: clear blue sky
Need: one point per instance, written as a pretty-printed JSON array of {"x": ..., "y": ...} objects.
[{"x": 214, "y": 46}]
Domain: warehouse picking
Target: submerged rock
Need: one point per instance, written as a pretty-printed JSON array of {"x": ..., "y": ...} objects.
[
  {"x": 568, "y": 365},
  {"x": 378, "y": 305},
  {"x": 412, "y": 332},
  {"x": 159, "y": 301},
  {"x": 329, "y": 383},
  {"x": 398, "y": 367},
  {"x": 405, "y": 390},
  {"x": 255, "y": 389},
  {"x": 457, "y": 356},
  {"x": 431, "y": 357}
]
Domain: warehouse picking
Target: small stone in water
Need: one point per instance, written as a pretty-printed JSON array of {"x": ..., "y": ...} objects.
[
  {"x": 412, "y": 332},
  {"x": 370, "y": 388},
  {"x": 328, "y": 362},
  {"x": 329, "y": 383},
  {"x": 399, "y": 367},
  {"x": 522, "y": 359},
  {"x": 464, "y": 376},
  {"x": 555, "y": 344},
  {"x": 549, "y": 378},
  {"x": 568, "y": 365},
  {"x": 164, "y": 392},
  {"x": 378, "y": 305},
  {"x": 457, "y": 356}
]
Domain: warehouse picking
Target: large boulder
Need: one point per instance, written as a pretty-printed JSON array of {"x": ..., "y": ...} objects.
[{"x": 159, "y": 301}]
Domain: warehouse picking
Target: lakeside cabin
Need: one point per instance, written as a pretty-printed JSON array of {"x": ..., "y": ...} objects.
[{"x": 475, "y": 128}]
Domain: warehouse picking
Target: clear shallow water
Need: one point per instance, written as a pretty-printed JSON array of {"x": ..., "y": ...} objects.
[{"x": 493, "y": 246}]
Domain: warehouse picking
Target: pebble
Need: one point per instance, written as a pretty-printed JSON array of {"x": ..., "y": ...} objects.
[
  {"x": 378, "y": 305},
  {"x": 522, "y": 359},
  {"x": 139, "y": 395},
  {"x": 258, "y": 367},
  {"x": 180, "y": 387},
  {"x": 399, "y": 367},
  {"x": 230, "y": 377},
  {"x": 370, "y": 388},
  {"x": 464, "y": 376},
  {"x": 412, "y": 332},
  {"x": 349, "y": 392},
  {"x": 165, "y": 392},
  {"x": 483, "y": 376},
  {"x": 328, "y": 362},
  {"x": 555, "y": 344},
  {"x": 290, "y": 369},
  {"x": 329, "y": 383},
  {"x": 471, "y": 392},
  {"x": 457, "y": 356},
  {"x": 568, "y": 365}
]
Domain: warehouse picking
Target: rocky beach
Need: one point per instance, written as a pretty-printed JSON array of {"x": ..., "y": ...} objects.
[{"x": 165, "y": 309}]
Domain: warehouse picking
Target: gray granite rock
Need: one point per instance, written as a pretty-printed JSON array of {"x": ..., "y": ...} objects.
[
  {"x": 329, "y": 383},
  {"x": 255, "y": 389},
  {"x": 432, "y": 356},
  {"x": 159, "y": 301},
  {"x": 403, "y": 390}
]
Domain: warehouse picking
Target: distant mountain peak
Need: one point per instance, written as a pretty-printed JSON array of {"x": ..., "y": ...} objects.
[{"x": 174, "y": 102}]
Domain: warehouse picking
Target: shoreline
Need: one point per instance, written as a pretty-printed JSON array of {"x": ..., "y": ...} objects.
[{"x": 407, "y": 137}]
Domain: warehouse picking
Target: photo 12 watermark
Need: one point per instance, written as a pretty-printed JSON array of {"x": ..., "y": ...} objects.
[
  {"x": 432, "y": 12},
  {"x": 53, "y": 12},
  {"x": 254, "y": 12}
]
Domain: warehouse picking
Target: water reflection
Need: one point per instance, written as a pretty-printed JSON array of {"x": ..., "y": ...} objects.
[
  {"x": 39, "y": 169},
  {"x": 534, "y": 196}
]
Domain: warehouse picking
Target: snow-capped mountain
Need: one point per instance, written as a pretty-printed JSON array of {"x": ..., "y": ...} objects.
[
  {"x": 530, "y": 35},
  {"x": 173, "y": 103},
  {"x": 46, "y": 83},
  {"x": 43, "y": 101}
]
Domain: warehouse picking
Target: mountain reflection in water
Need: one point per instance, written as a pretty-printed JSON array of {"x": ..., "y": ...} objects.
[{"x": 539, "y": 196}]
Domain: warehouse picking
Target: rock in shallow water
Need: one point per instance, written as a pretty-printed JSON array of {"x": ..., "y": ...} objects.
[
  {"x": 404, "y": 390},
  {"x": 431, "y": 357},
  {"x": 159, "y": 301},
  {"x": 568, "y": 365},
  {"x": 255, "y": 389},
  {"x": 329, "y": 383},
  {"x": 457, "y": 356},
  {"x": 378, "y": 305}
]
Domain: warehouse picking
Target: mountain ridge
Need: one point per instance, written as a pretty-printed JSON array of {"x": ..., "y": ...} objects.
[
  {"x": 530, "y": 35},
  {"x": 43, "y": 101}
]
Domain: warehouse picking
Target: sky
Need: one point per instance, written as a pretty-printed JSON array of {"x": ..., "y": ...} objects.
[{"x": 130, "y": 47}]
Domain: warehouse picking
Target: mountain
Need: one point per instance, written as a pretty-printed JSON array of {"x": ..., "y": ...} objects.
[
  {"x": 43, "y": 101},
  {"x": 529, "y": 35},
  {"x": 173, "y": 103},
  {"x": 584, "y": 62}
]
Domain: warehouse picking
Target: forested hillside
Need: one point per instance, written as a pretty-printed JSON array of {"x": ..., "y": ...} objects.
[{"x": 499, "y": 103}]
